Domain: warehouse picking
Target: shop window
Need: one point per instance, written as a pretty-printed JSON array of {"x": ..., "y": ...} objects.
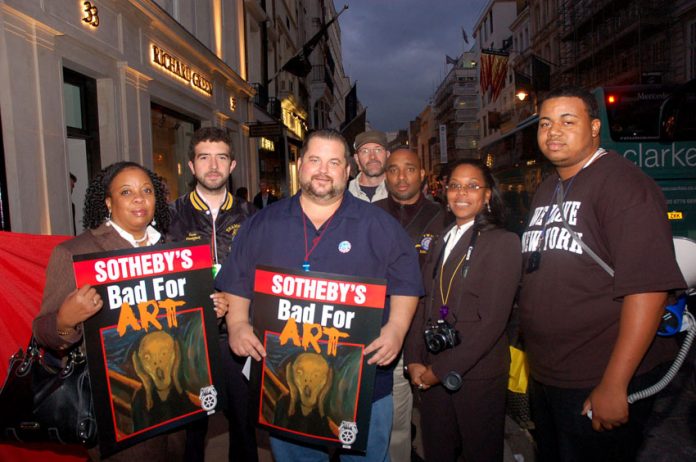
[
  {"x": 171, "y": 134},
  {"x": 82, "y": 126}
]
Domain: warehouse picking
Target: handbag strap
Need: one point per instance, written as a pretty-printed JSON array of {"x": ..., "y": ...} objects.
[{"x": 559, "y": 201}]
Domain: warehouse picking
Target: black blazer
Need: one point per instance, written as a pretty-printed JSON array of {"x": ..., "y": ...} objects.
[
  {"x": 479, "y": 305},
  {"x": 258, "y": 200}
]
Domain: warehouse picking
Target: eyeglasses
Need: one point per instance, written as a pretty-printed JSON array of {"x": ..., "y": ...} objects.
[
  {"x": 457, "y": 188},
  {"x": 366, "y": 151}
]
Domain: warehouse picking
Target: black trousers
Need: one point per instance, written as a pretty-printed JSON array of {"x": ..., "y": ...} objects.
[
  {"x": 563, "y": 435},
  {"x": 469, "y": 422},
  {"x": 242, "y": 432}
]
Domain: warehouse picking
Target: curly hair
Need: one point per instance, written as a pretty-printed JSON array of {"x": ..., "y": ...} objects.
[
  {"x": 495, "y": 218},
  {"x": 95, "y": 210}
]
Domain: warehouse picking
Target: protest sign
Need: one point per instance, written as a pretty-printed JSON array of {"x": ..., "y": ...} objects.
[
  {"x": 152, "y": 349},
  {"x": 314, "y": 384}
]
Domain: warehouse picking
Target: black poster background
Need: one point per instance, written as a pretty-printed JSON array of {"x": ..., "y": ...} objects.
[
  {"x": 183, "y": 357},
  {"x": 346, "y": 395}
]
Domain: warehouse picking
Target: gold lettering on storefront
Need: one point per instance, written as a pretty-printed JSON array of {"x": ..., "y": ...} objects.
[
  {"x": 91, "y": 14},
  {"x": 181, "y": 70}
]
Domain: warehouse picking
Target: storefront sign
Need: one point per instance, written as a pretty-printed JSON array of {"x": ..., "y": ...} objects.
[
  {"x": 294, "y": 123},
  {"x": 90, "y": 14},
  {"x": 266, "y": 130},
  {"x": 443, "y": 143},
  {"x": 181, "y": 70},
  {"x": 267, "y": 144}
]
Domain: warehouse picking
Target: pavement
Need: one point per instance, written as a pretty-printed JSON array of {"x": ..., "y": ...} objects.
[
  {"x": 518, "y": 442},
  {"x": 670, "y": 437}
]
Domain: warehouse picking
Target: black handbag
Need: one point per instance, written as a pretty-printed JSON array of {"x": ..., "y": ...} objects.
[{"x": 45, "y": 401}]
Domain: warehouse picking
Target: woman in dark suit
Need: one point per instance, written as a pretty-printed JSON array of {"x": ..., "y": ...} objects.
[
  {"x": 457, "y": 350},
  {"x": 125, "y": 206}
]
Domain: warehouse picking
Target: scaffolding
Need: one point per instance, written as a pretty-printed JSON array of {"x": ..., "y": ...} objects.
[{"x": 613, "y": 42}]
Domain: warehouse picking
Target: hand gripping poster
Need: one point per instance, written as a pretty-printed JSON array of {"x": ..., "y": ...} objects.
[
  {"x": 152, "y": 350},
  {"x": 315, "y": 384}
]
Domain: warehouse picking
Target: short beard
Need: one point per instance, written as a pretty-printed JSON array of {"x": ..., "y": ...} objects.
[
  {"x": 373, "y": 175},
  {"x": 199, "y": 182},
  {"x": 330, "y": 194}
]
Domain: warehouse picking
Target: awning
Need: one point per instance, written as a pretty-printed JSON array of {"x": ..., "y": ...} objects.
[{"x": 531, "y": 120}]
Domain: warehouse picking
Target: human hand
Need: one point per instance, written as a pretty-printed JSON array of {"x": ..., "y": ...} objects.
[
  {"x": 80, "y": 305},
  {"x": 243, "y": 341},
  {"x": 221, "y": 304},
  {"x": 386, "y": 347},
  {"x": 609, "y": 406},
  {"x": 416, "y": 371}
]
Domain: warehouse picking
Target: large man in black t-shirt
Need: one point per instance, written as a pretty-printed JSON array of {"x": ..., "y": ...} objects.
[{"x": 590, "y": 336}]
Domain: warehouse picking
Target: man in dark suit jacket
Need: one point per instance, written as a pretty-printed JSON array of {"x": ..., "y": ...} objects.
[
  {"x": 264, "y": 197},
  {"x": 424, "y": 221}
]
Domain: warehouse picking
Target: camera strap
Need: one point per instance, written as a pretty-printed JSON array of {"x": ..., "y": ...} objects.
[{"x": 605, "y": 266}]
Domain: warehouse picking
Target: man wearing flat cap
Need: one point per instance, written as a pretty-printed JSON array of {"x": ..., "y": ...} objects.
[{"x": 370, "y": 156}]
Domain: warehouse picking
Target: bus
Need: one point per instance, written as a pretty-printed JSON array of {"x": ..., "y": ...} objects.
[{"x": 653, "y": 126}]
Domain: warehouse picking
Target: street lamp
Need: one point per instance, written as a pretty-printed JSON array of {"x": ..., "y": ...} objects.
[{"x": 522, "y": 95}]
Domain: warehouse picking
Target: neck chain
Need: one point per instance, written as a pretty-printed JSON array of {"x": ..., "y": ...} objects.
[
  {"x": 142, "y": 239},
  {"x": 316, "y": 240}
]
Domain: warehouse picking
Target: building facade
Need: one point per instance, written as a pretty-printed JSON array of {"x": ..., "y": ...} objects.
[
  {"x": 456, "y": 106},
  {"x": 87, "y": 84},
  {"x": 494, "y": 38},
  {"x": 292, "y": 94}
]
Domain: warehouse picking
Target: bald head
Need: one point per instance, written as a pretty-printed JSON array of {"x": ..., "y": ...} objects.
[{"x": 404, "y": 176}]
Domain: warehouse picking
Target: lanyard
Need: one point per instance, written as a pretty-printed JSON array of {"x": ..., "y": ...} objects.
[
  {"x": 559, "y": 189},
  {"x": 315, "y": 241},
  {"x": 535, "y": 256},
  {"x": 444, "y": 309}
]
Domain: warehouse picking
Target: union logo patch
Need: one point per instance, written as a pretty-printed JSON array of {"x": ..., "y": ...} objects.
[
  {"x": 344, "y": 247},
  {"x": 426, "y": 241}
]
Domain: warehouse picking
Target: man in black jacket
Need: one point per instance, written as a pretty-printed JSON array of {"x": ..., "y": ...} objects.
[
  {"x": 264, "y": 197},
  {"x": 423, "y": 221},
  {"x": 211, "y": 212}
]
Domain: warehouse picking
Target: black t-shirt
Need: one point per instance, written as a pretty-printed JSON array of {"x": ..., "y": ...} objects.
[
  {"x": 369, "y": 191},
  {"x": 570, "y": 307}
]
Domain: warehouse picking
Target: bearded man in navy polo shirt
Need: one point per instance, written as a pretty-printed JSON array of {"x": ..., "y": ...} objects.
[{"x": 352, "y": 238}]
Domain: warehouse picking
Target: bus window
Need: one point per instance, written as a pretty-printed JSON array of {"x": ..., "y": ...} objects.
[
  {"x": 677, "y": 117},
  {"x": 633, "y": 112}
]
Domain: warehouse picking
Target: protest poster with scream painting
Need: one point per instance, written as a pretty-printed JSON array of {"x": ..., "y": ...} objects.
[
  {"x": 152, "y": 350},
  {"x": 314, "y": 384}
]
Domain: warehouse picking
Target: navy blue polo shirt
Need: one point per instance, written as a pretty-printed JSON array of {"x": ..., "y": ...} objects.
[{"x": 379, "y": 248}]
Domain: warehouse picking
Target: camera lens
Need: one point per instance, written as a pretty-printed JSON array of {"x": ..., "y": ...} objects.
[{"x": 435, "y": 343}]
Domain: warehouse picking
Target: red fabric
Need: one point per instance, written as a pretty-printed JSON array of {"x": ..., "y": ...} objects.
[{"x": 23, "y": 260}]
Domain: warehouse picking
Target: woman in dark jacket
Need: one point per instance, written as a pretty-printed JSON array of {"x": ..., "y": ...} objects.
[
  {"x": 457, "y": 350},
  {"x": 125, "y": 207}
]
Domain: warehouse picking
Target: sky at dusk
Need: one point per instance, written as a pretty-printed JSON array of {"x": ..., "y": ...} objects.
[{"x": 395, "y": 51}]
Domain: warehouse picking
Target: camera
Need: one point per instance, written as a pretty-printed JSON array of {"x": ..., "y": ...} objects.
[{"x": 440, "y": 336}]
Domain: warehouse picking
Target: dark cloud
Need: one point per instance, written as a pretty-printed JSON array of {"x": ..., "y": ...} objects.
[{"x": 395, "y": 50}]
